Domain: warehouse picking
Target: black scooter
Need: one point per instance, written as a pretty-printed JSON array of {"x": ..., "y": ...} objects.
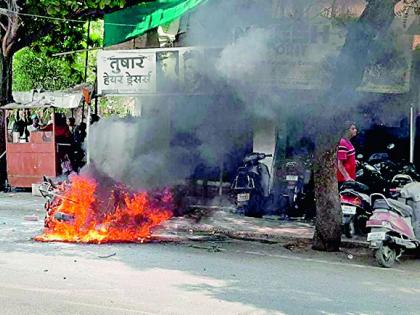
[
  {"x": 371, "y": 176},
  {"x": 294, "y": 190},
  {"x": 385, "y": 176},
  {"x": 251, "y": 185}
]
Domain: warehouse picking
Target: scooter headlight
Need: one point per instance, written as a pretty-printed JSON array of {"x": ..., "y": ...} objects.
[{"x": 387, "y": 224}]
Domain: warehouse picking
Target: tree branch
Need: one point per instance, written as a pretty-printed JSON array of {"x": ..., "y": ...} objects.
[
  {"x": 26, "y": 39},
  {"x": 14, "y": 22}
]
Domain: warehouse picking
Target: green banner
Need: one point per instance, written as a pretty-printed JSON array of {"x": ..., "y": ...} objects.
[{"x": 134, "y": 21}]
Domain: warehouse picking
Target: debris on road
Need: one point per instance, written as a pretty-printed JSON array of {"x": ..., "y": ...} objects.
[
  {"x": 31, "y": 217},
  {"x": 289, "y": 246},
  {"x": 213, "y": 248},
  {"x": 107, "y": 256}
]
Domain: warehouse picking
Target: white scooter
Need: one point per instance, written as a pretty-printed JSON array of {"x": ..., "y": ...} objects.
[{"x": 395, "y": 224}]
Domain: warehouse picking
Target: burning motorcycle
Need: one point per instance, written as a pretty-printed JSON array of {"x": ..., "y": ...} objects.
[
  {"x": 52, "y": 190},
  {"x": 251, "y": 185},
  {"x": 81, "y": 210},
  {"x": 395, "y": 225}
]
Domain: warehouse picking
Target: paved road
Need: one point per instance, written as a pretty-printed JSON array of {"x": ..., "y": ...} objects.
[{"x": 193, "y": 278}]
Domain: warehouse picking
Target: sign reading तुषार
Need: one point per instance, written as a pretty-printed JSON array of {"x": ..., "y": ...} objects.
[{"x": 126, "y": 72}]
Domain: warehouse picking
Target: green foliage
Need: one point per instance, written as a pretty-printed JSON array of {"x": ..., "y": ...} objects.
[
  {"x": 63, "y": 30},
  {"x": 34, "y": 70},
  {"x": 35, "y": 67},
  {"x": 67, "y": 31},
  {"x": 112, "y": 106},
  {"x": 95, "y": 41},
  {"x": 65, "y": 7}
]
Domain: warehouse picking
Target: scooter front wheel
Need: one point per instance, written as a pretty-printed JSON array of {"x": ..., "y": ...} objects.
[{"x": 385, "y": 256}]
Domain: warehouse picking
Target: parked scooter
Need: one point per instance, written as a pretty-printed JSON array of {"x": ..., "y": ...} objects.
[
  {"x": 251, "y": 185},
  {"x": 396, "y": 173},
  {"x": 395, "y": 225},
  {"x": 371, "y": 176},
  {"x": 295, "y": 191},
  {"x": 355, "y": 205},
  {"x": 398, "y": 182}
]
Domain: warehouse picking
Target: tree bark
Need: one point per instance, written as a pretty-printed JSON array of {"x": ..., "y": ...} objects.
[
  {"x": 6, "y": 80},
  {"x": 375, "y": 20},
  {"x": 5, "y": 98},
  {"x": 327, "y": 235},
  {"x": 354, "y": 56}
]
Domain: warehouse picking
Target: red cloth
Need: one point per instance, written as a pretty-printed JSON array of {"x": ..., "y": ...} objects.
[
  {"x": 347, "y": 154},
  {"x": 62, "y": 132},
  {"x": 48, "y": 127}
]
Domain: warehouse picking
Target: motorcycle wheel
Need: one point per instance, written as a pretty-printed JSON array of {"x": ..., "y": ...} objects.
[
  {"x": 385, "y": 256},
  {"x": 254, "y": 208},
  {"x": 241, "y": 210},
  {"x": 360, "y": 226},
  {"x": 348, "y": 229}
]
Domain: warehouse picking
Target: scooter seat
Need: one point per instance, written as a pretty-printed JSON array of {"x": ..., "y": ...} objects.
[
  {"x": 400, "y": 207},
  {"x": 355, "y": 185}
]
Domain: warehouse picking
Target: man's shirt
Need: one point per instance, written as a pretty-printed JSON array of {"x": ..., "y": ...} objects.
[{"x": 347, "y": 154}]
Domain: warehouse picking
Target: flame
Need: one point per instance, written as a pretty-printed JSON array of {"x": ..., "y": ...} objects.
[{"x": 76, "y": 215}]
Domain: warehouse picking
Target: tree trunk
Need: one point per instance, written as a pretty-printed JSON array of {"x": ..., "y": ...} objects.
[
  {"x": 3, "y": 101},
  {"x": 327, "y": 235},
  {"x": 5, "y": 98},
  {"x": 375, "y": 20},
  {"x": 6, "y": 80},
  {"x": 354, "y": 56}
]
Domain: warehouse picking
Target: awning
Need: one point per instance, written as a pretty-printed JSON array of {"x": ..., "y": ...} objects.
[
  {"x": 134, "y": 21},
  {"x": 35, "y": 100}
]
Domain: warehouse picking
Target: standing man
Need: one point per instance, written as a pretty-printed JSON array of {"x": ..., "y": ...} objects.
[
  {"x": 346, "y": 155},
  {"x": 71, "y": 122},
  {"x": 35, "y": 126}
]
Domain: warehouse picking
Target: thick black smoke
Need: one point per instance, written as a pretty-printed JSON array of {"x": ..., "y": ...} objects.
[{"x": 235, "y": 84}]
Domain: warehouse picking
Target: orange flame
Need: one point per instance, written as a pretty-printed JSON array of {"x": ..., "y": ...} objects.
[{"x": 124, "y": 218}]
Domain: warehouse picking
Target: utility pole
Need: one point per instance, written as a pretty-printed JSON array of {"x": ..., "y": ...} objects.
[
  {"x": 87, "y": 51},
  {"x": 86, "y": 67},
  {"x": 412, "y": 132}
]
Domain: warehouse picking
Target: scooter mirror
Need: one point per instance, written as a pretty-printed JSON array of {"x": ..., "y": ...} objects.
[
  {"x": 390, "y": 146},
  {"x": 359, "y": 156}
]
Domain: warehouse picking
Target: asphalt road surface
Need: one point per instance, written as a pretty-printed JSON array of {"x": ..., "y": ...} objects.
[{"x": 213, "y": 277}]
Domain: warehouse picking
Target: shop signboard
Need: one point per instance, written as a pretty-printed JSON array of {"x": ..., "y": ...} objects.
[
  {"x": 126, "y": 72},
  {"x": 154, "y": 71}
]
